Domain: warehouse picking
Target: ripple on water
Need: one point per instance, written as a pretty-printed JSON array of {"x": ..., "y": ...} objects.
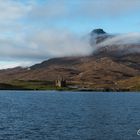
[{"x": 53, "y": 115}]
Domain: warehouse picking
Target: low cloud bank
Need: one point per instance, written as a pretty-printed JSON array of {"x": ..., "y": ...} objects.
[
  {"x": 41, "y": 45},
  {"x": 122, "y": 39},
  {"x": 129, "y": 42},
  {"x": 59, "y": 43},
  {"x": 44, "y": 44}
]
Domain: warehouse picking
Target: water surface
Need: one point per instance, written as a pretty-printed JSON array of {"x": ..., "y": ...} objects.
[{"x": 52, "y": 115}]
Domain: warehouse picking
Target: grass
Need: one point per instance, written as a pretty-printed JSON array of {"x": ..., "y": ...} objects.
[
  {"x": 36, "y": 85},
  {"x": 132, "y": 83}
]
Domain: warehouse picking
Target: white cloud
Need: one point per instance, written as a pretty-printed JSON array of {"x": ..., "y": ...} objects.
[
  {"x": 10, "y": 10},
  {"x": 12, "y": 14},
  {"x": 88, "y": 8},
  {"x": 47, "y": 10},
  {"x": 111, "y": 8},
  {"x": 10, "y": 64},
  {"x": 20, "y": 40},
  {"x": 129, "y": 42},
  {"x": 122, "y": 39},
  {"x": 44, "y": 44}
]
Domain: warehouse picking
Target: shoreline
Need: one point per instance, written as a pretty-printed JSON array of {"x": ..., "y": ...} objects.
[
  {"x": 34, "y": 86},
  {"x": 72, "y": 90}
]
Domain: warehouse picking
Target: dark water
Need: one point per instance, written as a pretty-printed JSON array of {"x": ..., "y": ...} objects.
[{"x": 43, "y": 115}]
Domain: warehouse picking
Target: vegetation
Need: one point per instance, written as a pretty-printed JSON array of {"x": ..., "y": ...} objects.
[
  {"x": 31, "y": 85},
  {"x": 132, "y": 84}
]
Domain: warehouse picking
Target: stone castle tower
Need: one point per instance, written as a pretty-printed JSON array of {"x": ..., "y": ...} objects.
[{"x": 60, "y": 83}]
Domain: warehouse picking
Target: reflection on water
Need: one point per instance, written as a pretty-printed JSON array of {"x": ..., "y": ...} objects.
[{"x": 44, "y": 115}]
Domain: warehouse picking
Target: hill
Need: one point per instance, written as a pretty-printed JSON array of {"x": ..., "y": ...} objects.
[{"x": 110, "y": 67}]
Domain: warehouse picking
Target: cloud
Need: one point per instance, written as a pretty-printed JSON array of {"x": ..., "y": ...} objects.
[
  {"x": 122, "y": 39},
  {"x": 89, "y": 8},
  {"x": 44, "y": 44},
  {"x": 46, "y": 10},
  {"x": 11, "y": 10},
  {"x": 25, "y": 34},
  {"x": 128, "y": 42},
  {"x": 109, "y": 8},
  {"x": 10, "y": 64},
  {"x": 12, "y": 14}
]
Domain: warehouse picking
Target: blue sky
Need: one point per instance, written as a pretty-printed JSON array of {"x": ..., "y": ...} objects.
[
  {"x": 85, "y": 15},
  {"x": 34, "y": 30}
]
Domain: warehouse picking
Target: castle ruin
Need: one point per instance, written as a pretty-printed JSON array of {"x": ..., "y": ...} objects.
[{"x": 60, "y": 83}]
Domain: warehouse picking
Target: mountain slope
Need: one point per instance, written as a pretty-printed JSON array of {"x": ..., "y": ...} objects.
[{"x": 108, "y": 67}]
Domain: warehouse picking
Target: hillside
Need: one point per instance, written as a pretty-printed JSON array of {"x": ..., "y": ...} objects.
[{"x": 108, "y": 68}]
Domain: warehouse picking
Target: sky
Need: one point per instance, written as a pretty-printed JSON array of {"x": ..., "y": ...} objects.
[{"x": 35, "y": 30}]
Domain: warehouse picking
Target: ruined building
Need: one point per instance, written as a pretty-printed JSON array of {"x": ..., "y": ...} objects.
[{"x": 60, "y": 83}]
